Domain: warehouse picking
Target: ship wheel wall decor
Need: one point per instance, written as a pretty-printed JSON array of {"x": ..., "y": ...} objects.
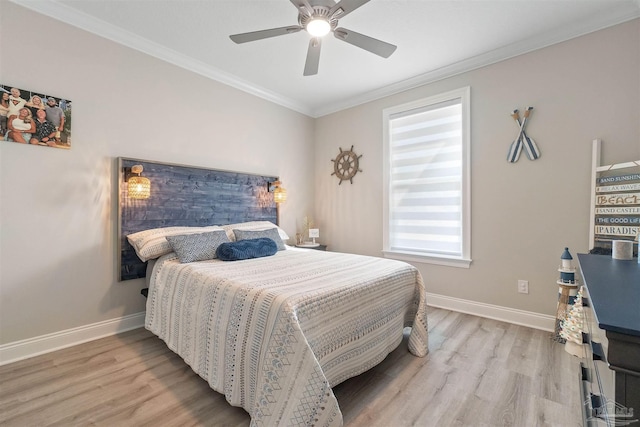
[{"x": 346, "y": 165}]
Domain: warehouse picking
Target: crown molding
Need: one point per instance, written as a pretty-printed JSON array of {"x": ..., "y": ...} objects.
[
  {"x": 70, "y": 16},
  {"x": 58, "y": 11},
  {"x": 501, "y": 54}
]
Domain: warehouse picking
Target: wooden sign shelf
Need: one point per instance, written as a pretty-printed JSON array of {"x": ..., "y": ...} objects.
[{"x": 615, "y": 201}]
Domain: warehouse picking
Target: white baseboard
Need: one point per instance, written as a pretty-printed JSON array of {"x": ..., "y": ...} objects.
[
  {"x": 18, "y": 350},
  {"x": 496, "y": 312}
]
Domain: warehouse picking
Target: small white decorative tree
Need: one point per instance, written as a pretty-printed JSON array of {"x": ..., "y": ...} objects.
[{"x": 572, "y": 327}]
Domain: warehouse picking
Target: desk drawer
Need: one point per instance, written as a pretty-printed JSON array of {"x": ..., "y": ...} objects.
[{"x": 600, "y": 380}]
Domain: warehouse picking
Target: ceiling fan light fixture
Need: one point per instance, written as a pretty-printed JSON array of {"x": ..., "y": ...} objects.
[
  {"x": 337, "y": 13},
  {"x": 318, "y": 27},
  {"x": 319, "y": 18}
]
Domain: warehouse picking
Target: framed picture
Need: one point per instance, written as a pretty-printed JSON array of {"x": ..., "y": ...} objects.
[{"x": 34, "y": 118}]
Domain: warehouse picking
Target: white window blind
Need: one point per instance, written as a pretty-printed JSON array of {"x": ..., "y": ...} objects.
[{"x": 426, "y": 170}]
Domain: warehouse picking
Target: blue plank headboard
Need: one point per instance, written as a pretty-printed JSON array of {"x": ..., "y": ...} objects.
[{"x": 187, "y": 196}]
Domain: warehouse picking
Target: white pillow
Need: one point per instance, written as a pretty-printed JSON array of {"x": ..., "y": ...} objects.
[
  {"x": 151, "y": 244},
  {"x": 253, "y": 226}
]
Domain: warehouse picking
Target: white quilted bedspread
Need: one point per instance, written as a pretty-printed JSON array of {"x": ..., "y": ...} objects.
[{"x": 275, "y": 334}]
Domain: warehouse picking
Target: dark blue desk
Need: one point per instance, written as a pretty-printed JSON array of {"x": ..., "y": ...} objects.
[
  {"x": 614, "y": 286},
  {"x": 614, "y": 290}
]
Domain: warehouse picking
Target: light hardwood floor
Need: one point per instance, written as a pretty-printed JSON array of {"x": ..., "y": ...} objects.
[{"x": 479, "y": 372}]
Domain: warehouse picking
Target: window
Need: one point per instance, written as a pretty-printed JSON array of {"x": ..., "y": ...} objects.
[{"x": 426, "y": 175}]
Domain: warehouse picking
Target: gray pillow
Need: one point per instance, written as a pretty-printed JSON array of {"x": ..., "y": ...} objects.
[
  {"x": 197, "y": 247},
  {"x": 271, "y": 233}
]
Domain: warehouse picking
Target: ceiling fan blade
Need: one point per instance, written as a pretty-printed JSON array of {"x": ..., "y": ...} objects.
[
  {"x": 313, "y": 57},
  {"x": 376, "y": 46},
  {"x": 303, "y": 7},
  {"x": 344, "y": 7},
  {"x": 264, "y": 34}
]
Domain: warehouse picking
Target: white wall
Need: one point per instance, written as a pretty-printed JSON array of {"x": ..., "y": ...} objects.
[
  {"x": 58, "y": 207},
  {"x": 523, "y": 214}
]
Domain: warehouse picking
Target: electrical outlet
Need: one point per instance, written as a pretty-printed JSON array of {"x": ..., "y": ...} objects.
[{"x": 523, "y": 286}]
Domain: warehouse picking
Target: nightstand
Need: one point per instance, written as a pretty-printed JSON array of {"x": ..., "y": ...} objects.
[{"x": 317, "y": 248}]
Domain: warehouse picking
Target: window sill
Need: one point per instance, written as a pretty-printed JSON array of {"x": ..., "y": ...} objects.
[{"x": 428, "y": 259}]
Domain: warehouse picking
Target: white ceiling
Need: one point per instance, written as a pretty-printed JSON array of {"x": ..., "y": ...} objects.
[{"x": 435, "y": 39}]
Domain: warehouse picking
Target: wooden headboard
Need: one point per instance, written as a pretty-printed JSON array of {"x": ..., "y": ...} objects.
[{"x": 187, "y": 196}]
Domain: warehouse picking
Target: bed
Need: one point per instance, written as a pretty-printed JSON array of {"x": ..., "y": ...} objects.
[{"x": 275, "y": 333}]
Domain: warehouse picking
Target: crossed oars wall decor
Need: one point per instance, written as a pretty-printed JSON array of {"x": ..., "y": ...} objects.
[{"x": 523, "y": 140}]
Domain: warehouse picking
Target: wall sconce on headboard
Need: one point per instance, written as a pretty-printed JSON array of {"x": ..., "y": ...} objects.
[
  {"x": 139, "y": 187},
  {"x": 279, "y": 193}
]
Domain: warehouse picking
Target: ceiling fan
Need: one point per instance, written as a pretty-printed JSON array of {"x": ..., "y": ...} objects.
[{"x": 318, "y": 20}]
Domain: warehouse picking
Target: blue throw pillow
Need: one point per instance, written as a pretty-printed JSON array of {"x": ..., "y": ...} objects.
[{"x": 246, "y": 249}]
